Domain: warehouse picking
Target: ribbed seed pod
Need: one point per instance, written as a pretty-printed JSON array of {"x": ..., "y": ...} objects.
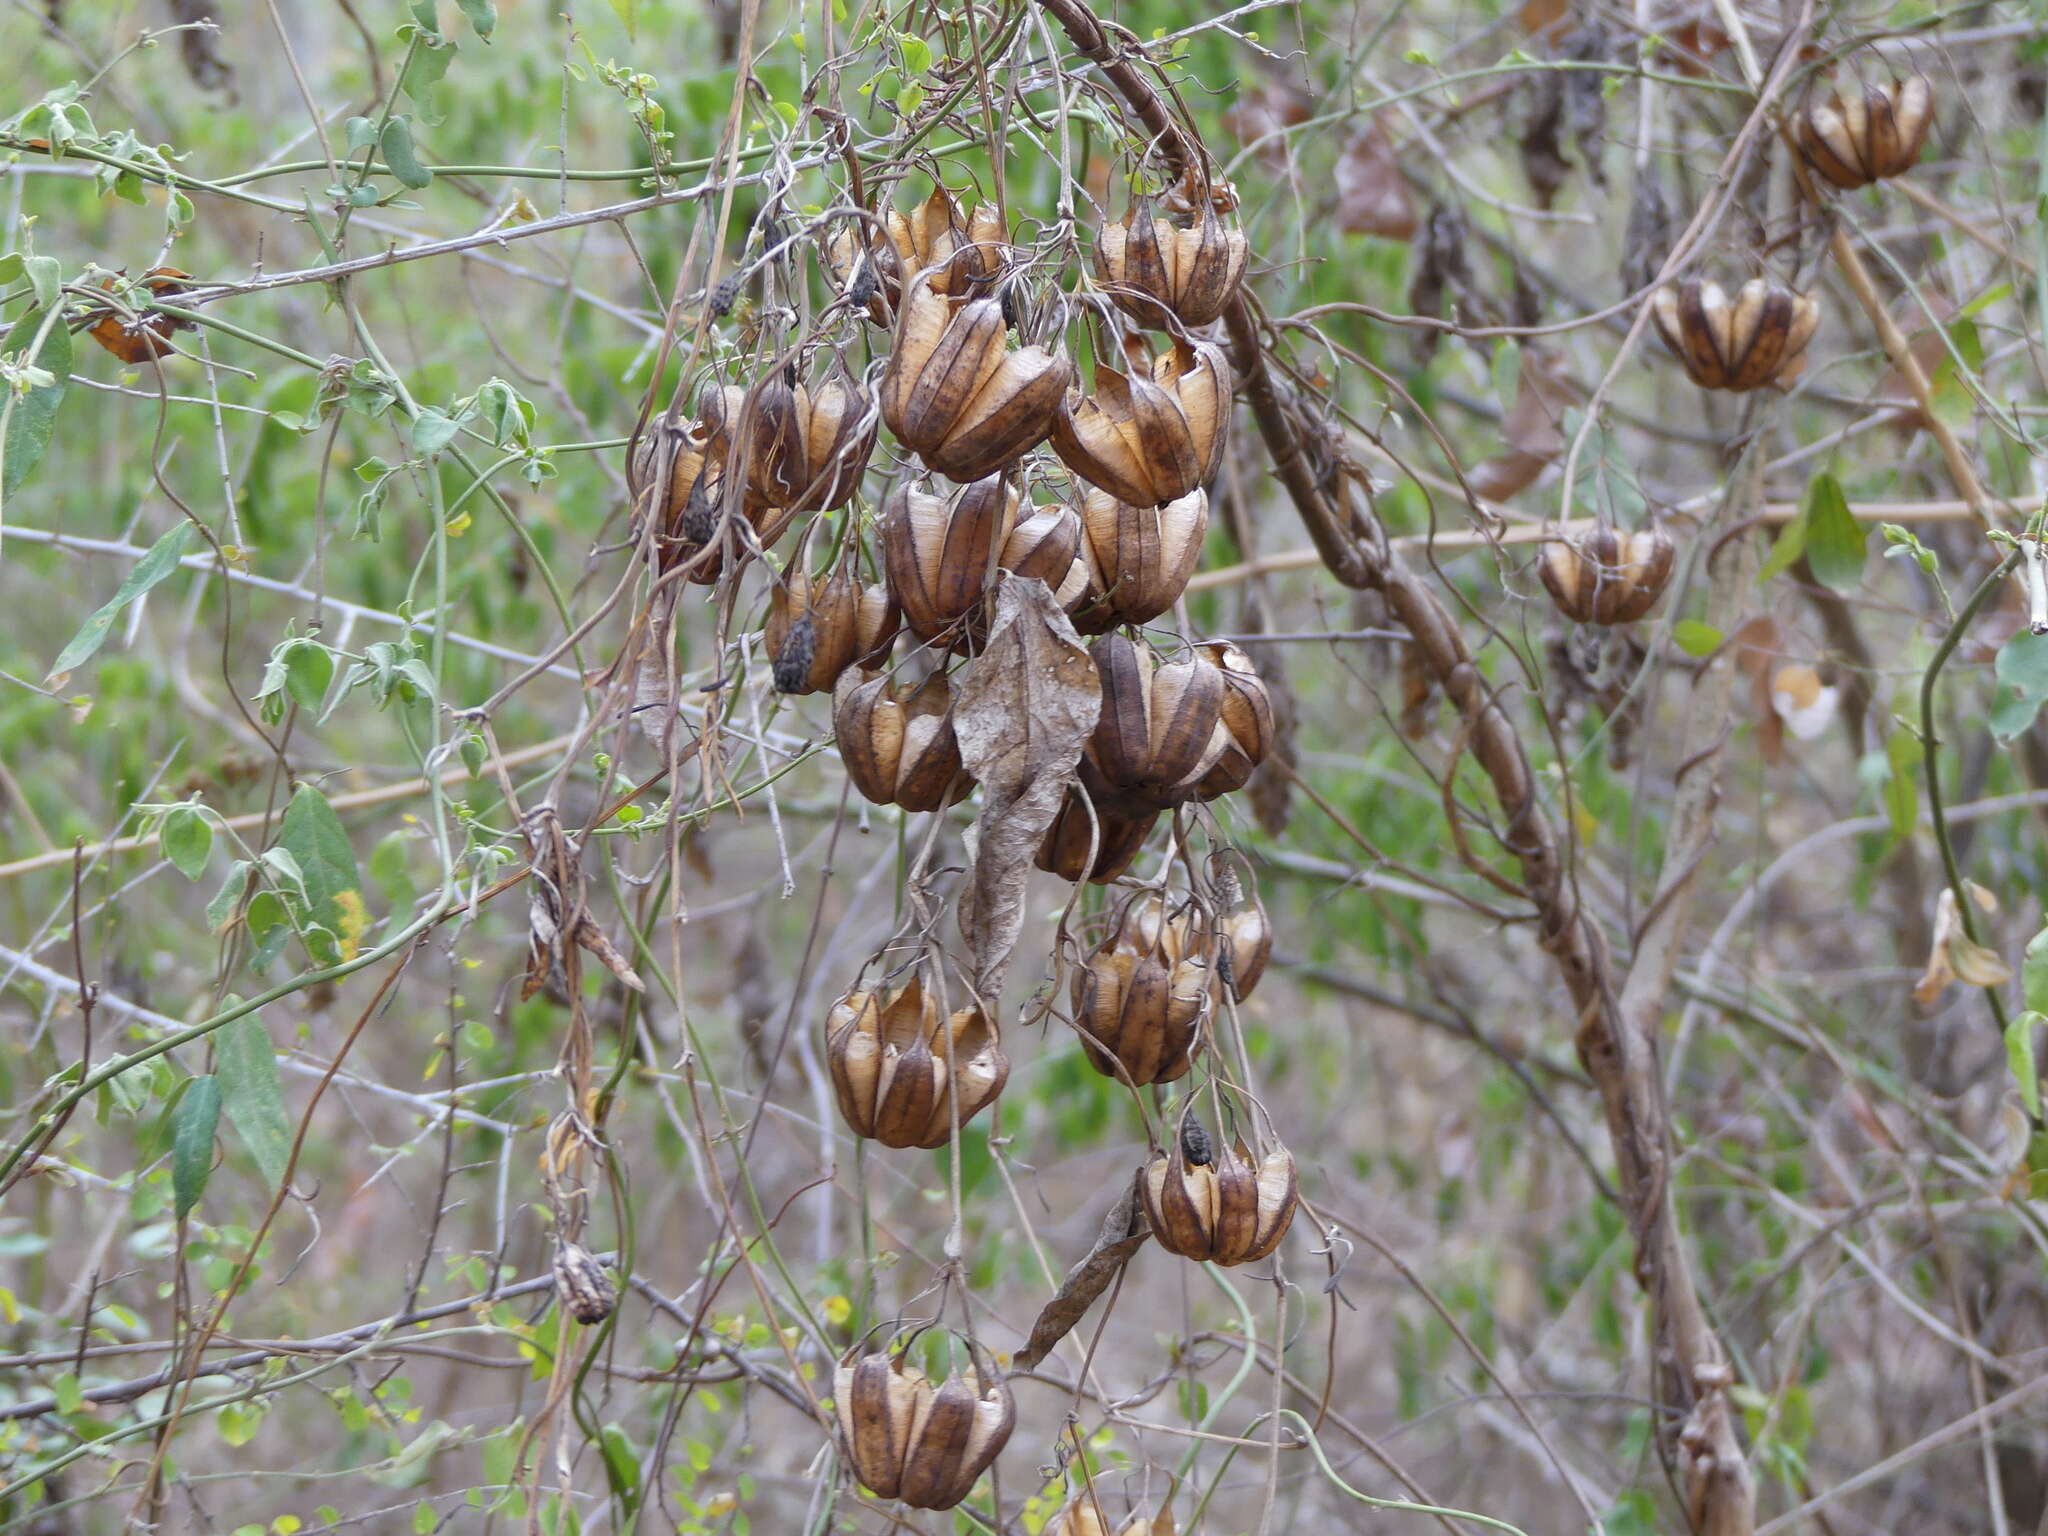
[
  {"x": 1868, "y": 134},
  {"x": 1155, "y": 267},
  {"x": 1605, "y": 577},
  {"x": 957, "y": 395},
  {"x": 898, "y": 1067},
  {"x": 899, "y": 751},
  {"x": 583, "y": 1286},
  {"x": 817, "y": 628},
  {"x": 1153, "y": 434},
  {"x": 1116, "y": 830},
  {"x": 1244, "y": 943},
  {"x": 1142, "y": 997},
  {"x": 1161, "y": 726},
  {"x": 1757, "y": 338},
  {"x": 907, "y": 1440},
  {"x": 1215, "y": 1204},
  {"x": 963, "y": 254},
  {"x": 1139, "y": 558},
  {"x": 1084, "y": 1517},
  {"x": 1247, "y": 716},
  {"x": 939, "y": 555},
  {"x": 807, "y": 448},
  {"x": 665, "y": 467}
]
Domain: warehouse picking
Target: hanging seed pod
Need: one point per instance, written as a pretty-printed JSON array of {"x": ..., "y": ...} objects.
[
  {"x": 1153, "y": 434},
  {"x": 1084, "y": 1517},
  {"x": 939, "y": 555},
  {"x": 1116, "y": 831},
  {"x": 666, "y": 465},
  {"x": 1160, "y": 729},
  {"x": 899, "y": 751},
  {"x": 898, "y": 1067},
  {"x": 807, "y": 448},
  {"x": 583, "y": 1286},
  {"x": 1142, "y": 997},
  {"x": 1161, "y": 271},
  {"x": 818, "y": 628},
  {"x": 963, "y": 255},
  {"x": 1607, "y": 577},
  {"x": 1247, "y": 717},
  {"x": 1216, "y": 1203},
  {"x": 1244, "y": 943},
  {"x": 1865, "y": 135},
  {"x": 908, "y": 1440},
  {"x": 1758, "y": 338},
  {"x": 1139, "y": 558},
  {"x": 957, "y": 395}
]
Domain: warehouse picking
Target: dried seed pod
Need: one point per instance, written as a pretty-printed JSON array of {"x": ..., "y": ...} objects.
[
  {"x": 1114, "y": 829},
  {"x": 908, "y": 1440},
  {"x": 1757, "y": 338},
  {"x": 1162, "y": 271},
  {"x": 1868, "y": 134},
  {"x": 898, "y": 1068},
  {"x": 1607, "y": 577},
  {"x": 1141, "y": 999},
  {"x": 1161, "y": 728},
  {"x": 817, "y": 628},
  {"x": 1084, "y": 1517},
  {"x": 1153, "y": 434},
  {"x": 899, "y": 751},
  {"x": 939, "y": 555},
  {"x": 1227, "y": 1210},
  {"x": 1247, "y": 717},
  {"x": 957, "y": 395},
  {"x": 806, "y": 449},
  {"x": 1139, "y": 558},
  {"x": 1244, "y": 943},
  {"x": 582, "y": 1285},
  {"x": 964, "y": 255}
]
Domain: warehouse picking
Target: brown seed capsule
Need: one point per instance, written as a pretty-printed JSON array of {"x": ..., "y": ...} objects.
[
  {"x": 1607, "y": 577},
  {"x": 1139, "y": 558},
  {"x": 1228, "y": 1210},
  {"x": 1114, "y": 829},
  {"x": 898, "y": 1068},
  {"x": 1244, "y": 943},
  {"x": 1869, "y": 133},
  {"x": 819, "y": 627},
  {"x": 1247, "y": 717},
  {"x": 582, "y": 1285},
  {"x": 940, "y": 555},
  {"x": 1161, "y": 726},
  {"x": 899, "y": 751},
  {"x": 1153, "y": 434},
  {"x": 1759, "y": 337},
  {"x": 908, "y": 1440},
  {"x": 1141, "y": 998},
  {"x": 1084, "y": 1517},
  {"x": 957, "y": 395},
  {"x": 1158, "y": 269},
  {"x": 807, "y": 448},
  {"x": 964, "y": 255}
]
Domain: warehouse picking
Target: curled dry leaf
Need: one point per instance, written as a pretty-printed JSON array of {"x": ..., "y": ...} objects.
[
  {"x": 557, "y": 902},
  {"x": 1123, "y": 1233},
  {"x": 1955, "y": 956}
]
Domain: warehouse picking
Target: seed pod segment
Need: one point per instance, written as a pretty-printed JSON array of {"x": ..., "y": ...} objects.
[
  {"x": 957, "y": 395},
  {"x": 1156, "y": 266},
  {"x": 819, "y": 627},
  {"x": 1160, "y": 729},
  {"x": 1139, "y": 558},
  {"x": 1247, "y": 721},
  {"x": 1153, "y": 434},
  {"x": 1084, "y": 1517},
  {"x": 898, "y": 1067},
  {"x": 1227, "y": 1210},
  {"x": 1868, "y": 134},
  {"x": 939, "y": 554},
  {"x": 897, "y": 750},
  {"x": 1114, "y": 828},
  {"x": 908, "y": 1440},
  {"x": 1757, "y": 338},
  {"x": 1606, "y": 577}
]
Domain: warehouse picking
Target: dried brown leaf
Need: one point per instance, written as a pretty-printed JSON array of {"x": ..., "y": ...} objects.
[
  {"x": 1372, "y": 194},
  {"x": 1123, "y": 1233}
]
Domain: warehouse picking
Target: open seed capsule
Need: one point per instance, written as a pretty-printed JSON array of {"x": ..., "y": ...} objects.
[
  {"x": 896, "y": 750},
  {"x": 1189, "y": 269},
  {"x": 1218, "y": 1204},
  {"x": 1606, "y": 577},
  {"x": 819, "y": 627},
  {"x": 909, "y": 1440},
  {"x": 1153, "y": 434},
  {"x": 1759, "y": 337},
  {"x": 898, "y": 1068},
  {"x": 939, "y": 555},
  {"x": 1869, "y": 133}
]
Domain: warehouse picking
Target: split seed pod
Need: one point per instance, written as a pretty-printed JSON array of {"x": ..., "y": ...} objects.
[
  {"x": 1142, "y": 996},
  {"x": 1218, "y": 1204},
  {"x": 963, "y": 254},
  {"x": 1153, "y": 434},
  {"x": 1247, "y": 718},
  {"x": 1116, "y": 830},
  {"x": 899, "y": 751},
  {"x": 1244, "y": 943},
  {"x": 1607, "y": 577},
  {"x": 940, "y": 554},
  {"x": 1865, "y": 135},
  {"x": 1155, "y": 266},
  {"x": 1084, "y": 1517},
  {"x": 583, "y": 1286},
  {"x": 808, "y": 448},
  {"x": 898, "y": 1067},
  {"x": 911, "y": 1441},
  {"x": 957, "y": 395},
  {"x": 1757, "y": 338},
  {"x": 1160, "y": 729},
  {"x": 817, "y": 628},
  {"x": 1139, "y": 558}
]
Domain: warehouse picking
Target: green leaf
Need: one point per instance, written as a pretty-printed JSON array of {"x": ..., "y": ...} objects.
[
  {"x": 397, "y": 149},
  {"x": 2022, "y": 684},
  {"x": 308, "y": 669},
  {"x": 70, "y": 1396},
  {"x": 249, "y": 1091},
  {"x": 1695, "y": 638},
  {"x": 424, "y": 1521},
  {"x": 424, "y": 74},
  {"x": 2019, "y": 1055},
  {"x": 153, "y": 567},
  {"x": 186, "y": 839},
  {"x": 29, "y": 423},
  {"x": 482, "y": 16},
  {"x": 434, "y": 430},
  {"x": 313, "y": 835},
  {"x": 192, "y": 1132},
  {"x": 917, "y": 53},
  {"x": 2034, "y": 972},
  {"x": 228, "y": 897},
  {"x": 1785, "y": 553},
  {"x": 46, "y": 278},
  {"x": 1834, "y": 539}
]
